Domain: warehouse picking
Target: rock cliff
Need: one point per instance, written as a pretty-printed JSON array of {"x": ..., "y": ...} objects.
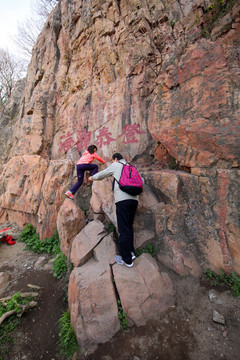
[{"x": 157, "y": 81}]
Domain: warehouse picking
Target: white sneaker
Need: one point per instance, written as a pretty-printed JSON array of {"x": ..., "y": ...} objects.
[
  {"x": 120, "y": 261},
  {"x": 133, "y": 255}
]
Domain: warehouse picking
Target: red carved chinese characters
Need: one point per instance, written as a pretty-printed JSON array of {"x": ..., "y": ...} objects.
[
  {"x": 129, "y": 133},
  {"x": 83, "y": 139},
  {"x": 104, "y": 133},
  {"x": 67, "y": 143},
  {"x": 103, "y": 138}
]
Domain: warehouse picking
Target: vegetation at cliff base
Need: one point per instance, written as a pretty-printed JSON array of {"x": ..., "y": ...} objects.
[
  {"x": 231, "y": 281},
  {"x": 50, "y": 245},
  {"x": 149, "y": 249},
  {"x": 67, "y": 339},
  {"x": 60, "y": 266},
  {"x": 14, "y": 305},
  {"x": 122, "y": 316}
]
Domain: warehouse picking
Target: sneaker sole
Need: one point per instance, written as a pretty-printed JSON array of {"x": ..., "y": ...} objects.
[
  {"x": 69, "y": 197},
  {"x": 128, "y": 265}
]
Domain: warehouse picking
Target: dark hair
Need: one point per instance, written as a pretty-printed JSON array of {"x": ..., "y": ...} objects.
[
  {"x": 91, "y": 148},
  {"x": 117, "y": 156}
]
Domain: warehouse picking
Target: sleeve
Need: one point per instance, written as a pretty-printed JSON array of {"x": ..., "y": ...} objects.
[
  {"x": 109, "y": 171},
  {"x": 98, "y": 158}
]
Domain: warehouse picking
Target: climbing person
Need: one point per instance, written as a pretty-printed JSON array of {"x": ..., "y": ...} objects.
[
  {"x": 126, "y": 206},
  {"x": 84, "y": 164}
]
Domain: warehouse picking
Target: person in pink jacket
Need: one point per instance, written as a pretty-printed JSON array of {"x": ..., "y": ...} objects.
[{"x": 84, "y": 164}]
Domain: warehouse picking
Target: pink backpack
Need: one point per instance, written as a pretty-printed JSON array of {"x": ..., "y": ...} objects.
[{"x": 130, "y": 181}]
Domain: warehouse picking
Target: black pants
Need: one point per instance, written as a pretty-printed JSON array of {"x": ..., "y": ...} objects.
[
  {"x": 81, "y": 168},
  {"x": 126, "y": 211}
]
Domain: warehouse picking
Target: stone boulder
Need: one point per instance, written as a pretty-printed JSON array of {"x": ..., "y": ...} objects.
[
  {"x": 102, "y": 200},
  {"x": 144, "y": 291},
  {"x": 92, "y": 303},
  {"x": 70, "y": 221},
  {"x": 84, "y": 243},
  {"x": 104, "y": 252}
]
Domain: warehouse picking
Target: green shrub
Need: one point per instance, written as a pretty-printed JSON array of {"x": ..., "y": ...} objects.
[
  {"x": 30, "y": 237},
  {"x": 231, "y": 281},
  {"x": 51, "y": 246},
  {"x": 60, "y": 266},
  {"x": 122, "y": 316},
  {"x": 110, "y": 227},
  {"x": 10, "y": 323},
  {"x": 67, "y": 339},
  {"x": 150, "y": 249}
]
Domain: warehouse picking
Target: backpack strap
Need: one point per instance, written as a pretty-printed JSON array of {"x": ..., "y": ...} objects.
[{"x": 114, "y": 179}]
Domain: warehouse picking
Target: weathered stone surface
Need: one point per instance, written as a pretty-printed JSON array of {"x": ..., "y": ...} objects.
[
  {"x": 92, "y": 303},
  {"x": 70, "y": 221},
  {"x": 104, "y": 252},
  {"x": 192, "y": 101},
  {"x": 84, "y": 243},
  {"x": 144, "y": 291},
  {"x": 102, "y": 200},
  {"x": 143, "y": 237},
  {"x": 197, "y": 220},
  {"x": 52, "y": 196},
  {"x": 21, "y": 180}
]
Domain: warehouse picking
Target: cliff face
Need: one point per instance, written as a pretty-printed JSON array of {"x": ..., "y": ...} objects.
[{"x": 156, "y": 81}]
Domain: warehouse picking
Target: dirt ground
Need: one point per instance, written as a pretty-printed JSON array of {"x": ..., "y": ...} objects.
[{"x": 185, "y": 332}]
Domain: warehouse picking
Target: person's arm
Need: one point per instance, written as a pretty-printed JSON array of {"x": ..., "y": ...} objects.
[
  {"x": 98, "y": 158},
  {"x": 109, "y": 171}
]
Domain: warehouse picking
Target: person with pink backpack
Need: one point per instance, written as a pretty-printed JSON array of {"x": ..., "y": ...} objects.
[{"x": 127, "y": 184}]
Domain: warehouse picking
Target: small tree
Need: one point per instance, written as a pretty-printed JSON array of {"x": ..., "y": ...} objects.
[
  {"x": 29, "y": 30},
  {"x": 27, "y": 36},
  {"x": 11, "y": 71},
  {"x": 43, "y": 8}
]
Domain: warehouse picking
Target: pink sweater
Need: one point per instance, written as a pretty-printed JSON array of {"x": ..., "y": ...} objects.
[{"x": 87, "y": 158}]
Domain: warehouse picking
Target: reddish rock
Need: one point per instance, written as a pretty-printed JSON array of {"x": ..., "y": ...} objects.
[
  {"x": 104, "y": 252},
  {"x": 102, "y": 200},
  {"x": 52, "y": 196},
  {"x": 22, "y": 178},
  {"x": 92, "y": 303},
  {"x": 193, "y": 116},
  {"x": 84, "y": 243},
  {"x": 143, "y": 237},
  {"x": 70, "y": 221},
  {"x": 144, "y": 291}
]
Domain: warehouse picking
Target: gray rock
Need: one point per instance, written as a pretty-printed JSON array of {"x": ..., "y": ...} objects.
[
  {"x": 214, "y": 297},
  {"x": 218, "y": 318}
]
